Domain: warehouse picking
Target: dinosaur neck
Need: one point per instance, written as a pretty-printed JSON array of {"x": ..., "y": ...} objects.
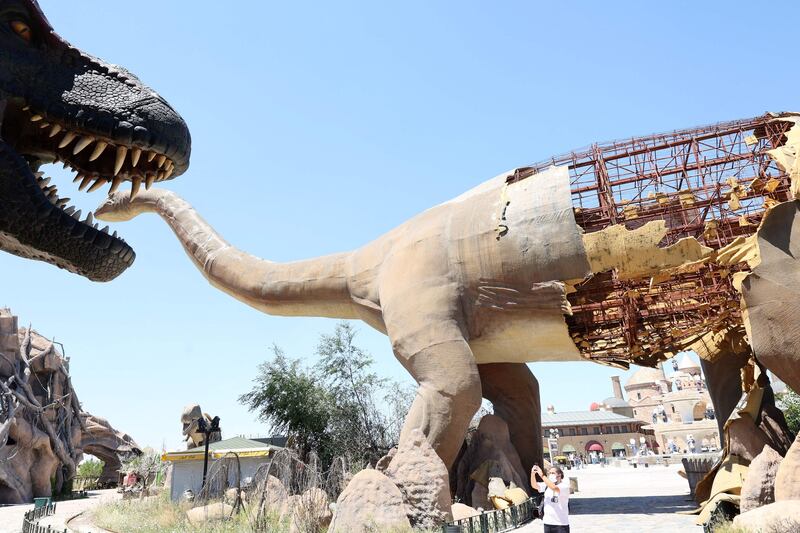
[{"x": 313, "y": 287}]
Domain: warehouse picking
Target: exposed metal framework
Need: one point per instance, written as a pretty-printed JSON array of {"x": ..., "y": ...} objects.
[{"x": 713, "y": 183}]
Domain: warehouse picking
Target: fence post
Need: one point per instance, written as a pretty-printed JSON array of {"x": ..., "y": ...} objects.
[{"x": 484, "y": 521}]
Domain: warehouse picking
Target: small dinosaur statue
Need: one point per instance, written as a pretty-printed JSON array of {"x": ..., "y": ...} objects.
[
  {"x": 59, "y": 104},
  {"x": 520, "y": 269}
]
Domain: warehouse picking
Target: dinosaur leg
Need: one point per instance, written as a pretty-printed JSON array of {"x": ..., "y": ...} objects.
[
  {"x": 429, "y": 342},
  {"x": 772, "y": 294},
  {"x": 514, "y": 393},
  {"x": 724, "y": 381}
]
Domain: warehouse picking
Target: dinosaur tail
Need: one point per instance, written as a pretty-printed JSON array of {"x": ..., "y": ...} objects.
[{"x": 313, "y": 287}]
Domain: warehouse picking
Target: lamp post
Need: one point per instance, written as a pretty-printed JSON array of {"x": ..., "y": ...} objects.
[{"x": 207, "y": 430}]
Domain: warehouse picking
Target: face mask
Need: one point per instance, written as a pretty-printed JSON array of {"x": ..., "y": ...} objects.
[{"x": 553, "y": 478}]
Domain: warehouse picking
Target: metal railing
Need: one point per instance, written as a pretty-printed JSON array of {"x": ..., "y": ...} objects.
[
  {"x": 498, "y": 520},
  {"x": 29, "y": 522}
]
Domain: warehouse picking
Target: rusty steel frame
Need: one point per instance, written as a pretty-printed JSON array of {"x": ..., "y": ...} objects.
[{"x": 684, "y": 178}]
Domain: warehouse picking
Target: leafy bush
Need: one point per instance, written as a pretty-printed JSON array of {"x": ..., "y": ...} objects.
[
  {"x": 790, "y": 403},
  {"x": 91, "y": 468},
  {"x": 332, "y": 408}
]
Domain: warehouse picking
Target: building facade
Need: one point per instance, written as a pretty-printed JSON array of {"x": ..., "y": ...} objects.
[{"x": 594, "y": 435}]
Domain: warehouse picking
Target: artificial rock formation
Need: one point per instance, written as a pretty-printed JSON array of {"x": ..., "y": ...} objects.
[
  {"x": 787, "y": 479},
  {"x": 190, "y": 427},
  {"x": 488, "y": 454},
  {"x": 370, "y": 502},
  {"x": 759, "y": 485},
  {"x": 43, "y": 428},
  {"x": 627, "y": 252},
  {"x": 783, "y": 516},
  {"x": 422, "y": 478}
]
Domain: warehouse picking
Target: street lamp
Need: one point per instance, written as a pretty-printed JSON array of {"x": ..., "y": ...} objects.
[{"x": 207, "y": 430}]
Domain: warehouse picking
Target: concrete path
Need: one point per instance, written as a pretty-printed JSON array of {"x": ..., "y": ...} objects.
[
  {"x": 626, "y": 499},
  {"x": 11, "y": 516}
]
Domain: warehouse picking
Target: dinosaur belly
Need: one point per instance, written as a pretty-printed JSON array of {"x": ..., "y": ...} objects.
[{"x": 514, "y": 337}]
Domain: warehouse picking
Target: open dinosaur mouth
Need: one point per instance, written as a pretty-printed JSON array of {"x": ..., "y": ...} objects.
[{"x": 96, "y": 159}]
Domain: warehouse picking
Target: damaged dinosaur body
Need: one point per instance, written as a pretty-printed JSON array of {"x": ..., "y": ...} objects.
[
  {"x": 44, "y": 431},
  {"x": 625, "y": 252}
]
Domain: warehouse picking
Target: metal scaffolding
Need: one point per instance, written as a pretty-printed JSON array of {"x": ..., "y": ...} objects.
[{"x": 713, "y": 183}]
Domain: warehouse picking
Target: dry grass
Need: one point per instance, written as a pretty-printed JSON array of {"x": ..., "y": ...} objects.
[{"x": 158, "y": 514}]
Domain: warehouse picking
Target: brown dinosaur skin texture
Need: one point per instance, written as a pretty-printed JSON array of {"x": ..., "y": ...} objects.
[
  {"x": 428, "y": 257},
  {"x": 425, "y": 285}
]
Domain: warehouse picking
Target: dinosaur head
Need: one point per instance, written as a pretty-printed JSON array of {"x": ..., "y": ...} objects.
[{"x": 59, "y": 104}]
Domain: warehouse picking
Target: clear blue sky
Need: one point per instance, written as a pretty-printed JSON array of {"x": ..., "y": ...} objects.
[{"x": 317, "y": 127}]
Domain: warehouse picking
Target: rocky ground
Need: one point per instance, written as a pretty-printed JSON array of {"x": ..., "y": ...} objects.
[{"x": 624, "y": 499}]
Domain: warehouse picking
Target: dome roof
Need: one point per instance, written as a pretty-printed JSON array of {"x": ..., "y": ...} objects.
[
  {"x": 686, "y": 363},
  {"x": 613, "y": 401},
  {"x": 645, "y": 376}
]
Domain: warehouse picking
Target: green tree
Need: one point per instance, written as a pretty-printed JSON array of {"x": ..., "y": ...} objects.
[
  {"x": 333, "y": 408},
  {"x": 91, "y": 468},
  {"x": 291, "y": 400},
  {"x": 790, "y": 403}
]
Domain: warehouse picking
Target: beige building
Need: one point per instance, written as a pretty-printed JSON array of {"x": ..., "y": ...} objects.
[
  {"x": 677, "y": 409},
  {"x": 594, "y": 435}
]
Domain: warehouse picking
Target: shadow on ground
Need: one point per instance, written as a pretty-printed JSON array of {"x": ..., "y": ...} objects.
[{"x": 631, "y": 505}]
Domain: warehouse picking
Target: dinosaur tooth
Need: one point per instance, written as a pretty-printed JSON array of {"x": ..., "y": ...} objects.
[
  {"x": 44, "y": 125},
  {"x": 68, "y": 138},
  {"x": 98, "y": 150},
  {"x": 151, "y": 156},
  {"x": 115, "y": 183},
  {"x": 36, "y": 118},
  {"x": 135, "y": 184},
  {"x": 160, "y": 160},
  {"x": 105, "y": 230},
  {"x": 97, "y": 184},
  {"x": 135, "y": 154},
  {"x": 77, "y": 178},
  {"x": 122, "y": 151},
  {"x": 54, "y": 130},
  {"x": 77, "y": 215},
  {"x": 70, "y": 210},
  {"x": 63, "y": 201},
  {"x": 85, "y": 182},
  {"x": 161, "y": 175},
  {"x": 89, "y": 218},
  {"x": 83, "y": 143},
  {"x": 149, "y": 181}
]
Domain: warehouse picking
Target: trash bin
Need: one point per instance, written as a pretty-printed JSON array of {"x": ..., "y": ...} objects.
[{"x": 40, "y": 502}]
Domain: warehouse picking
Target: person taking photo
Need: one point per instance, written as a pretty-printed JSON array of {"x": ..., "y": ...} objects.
[{"x": 555, "y": 514}]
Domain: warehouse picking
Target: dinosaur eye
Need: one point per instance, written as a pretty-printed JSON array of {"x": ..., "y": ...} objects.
[{"x": 22, "y": 29}]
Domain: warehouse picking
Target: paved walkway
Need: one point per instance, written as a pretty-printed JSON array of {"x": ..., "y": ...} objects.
[
  {"x": 626, "y": 499},
  {"x": 11, "y": 516}
]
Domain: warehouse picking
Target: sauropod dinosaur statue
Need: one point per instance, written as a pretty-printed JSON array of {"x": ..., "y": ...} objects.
[
  {"x": 625, "y": 252},
  {"x": 59, "y": 104}
]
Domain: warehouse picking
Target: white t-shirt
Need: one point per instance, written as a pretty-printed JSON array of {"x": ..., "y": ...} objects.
[{"x": 556, "y": 512}]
